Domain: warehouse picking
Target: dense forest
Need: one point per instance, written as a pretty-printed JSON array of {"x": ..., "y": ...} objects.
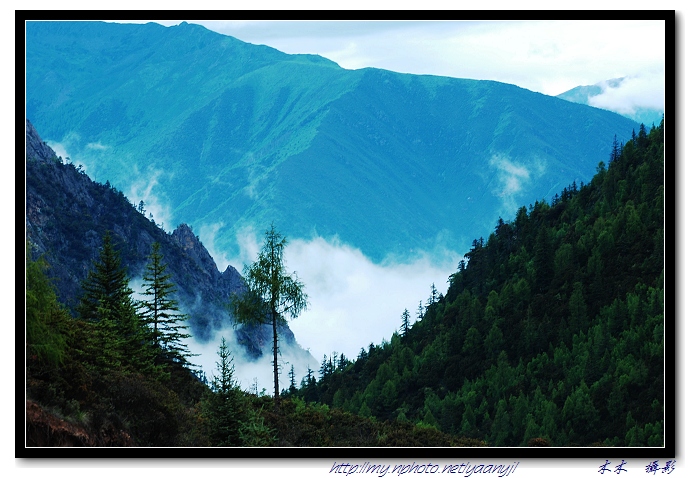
[
  {"x": 551, "y": 333},
  {"x": 551, "y": 329}
]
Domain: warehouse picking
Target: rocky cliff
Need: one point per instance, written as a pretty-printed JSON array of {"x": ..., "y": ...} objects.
[{"x": 67, "y": 214}]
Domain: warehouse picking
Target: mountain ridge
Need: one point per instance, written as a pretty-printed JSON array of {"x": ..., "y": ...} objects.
[
  {"x": 66, "y": 216},
  {"x": 242, "y": 135}
]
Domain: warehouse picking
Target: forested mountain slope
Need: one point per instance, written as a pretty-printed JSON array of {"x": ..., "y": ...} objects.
[{"x": 552, "y": 329}]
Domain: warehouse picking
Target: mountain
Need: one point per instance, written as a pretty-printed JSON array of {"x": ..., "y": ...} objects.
[
  {"x": 67, "y": 215},
  {"x": 593, "y": 94},
  {"x": 551, "y": 331},
  {"x": 226, "y": 136}
]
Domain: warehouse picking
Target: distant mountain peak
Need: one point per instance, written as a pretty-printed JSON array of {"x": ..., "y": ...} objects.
[{"x": 610, "y": 95}]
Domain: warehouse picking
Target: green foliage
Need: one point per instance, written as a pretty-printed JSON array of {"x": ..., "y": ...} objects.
[
  {"x": 160, "y": 311},
  {"x": 552, "y": 333},
  {"x": 99, "y": 371},
  {"x": 297, "y": 423},
  {"x": 46, "y": 319},
  {"x": 223, "y": 405},
  {"x": 121, "y": 338}
]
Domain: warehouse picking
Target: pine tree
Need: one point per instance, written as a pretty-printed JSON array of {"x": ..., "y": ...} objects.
[
  {"x": 434, "y": 295},
  {"x": 615, "y": 150},
  {"x": 405, "y": 327},
  {"x": 342, "y": 361},
  {"x": 120, "y": 339},
  {"x": 106, "y": 286},
  {"x": 324, "y": 370},
  {"x": 291, "y": 375},
  {"x": 223, "y": 407},
  {"x": 161, "y": 312},
  {"x": 270, "y": 294},
  {"x": 420, "y": 311}
]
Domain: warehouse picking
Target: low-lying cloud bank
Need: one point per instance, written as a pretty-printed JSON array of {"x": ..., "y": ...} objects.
[
  {"x": 632, "y": 94},
  {"x": 352, "y": 301},
  {"x": 251, "y": 375}
]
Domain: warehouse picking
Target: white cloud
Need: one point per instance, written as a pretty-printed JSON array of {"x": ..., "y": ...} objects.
[
  {"x": 70, "y": 146},
  {"x": 207, "y": 235},
  {"x": 353, "y": 301},
  {"x": 641, "y": 91},
  {"x": 143, "y": 190},
  {"x": 97, "y": 146},
  {"x": 512, "y": 178},
  {"x": 60, "y": 149},
  {"x": 545, "y": 56},
  {"x": 247, "y": 370}
]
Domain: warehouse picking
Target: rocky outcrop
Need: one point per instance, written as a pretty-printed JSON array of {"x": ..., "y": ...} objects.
[
  {"x": 185, "y": 238},
  {"x": 67, "y": 215},
  {"x": 36, "y": 149}
]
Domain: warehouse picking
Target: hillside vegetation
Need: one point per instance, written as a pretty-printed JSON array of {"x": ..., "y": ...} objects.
[{"x": 552, "y": 328}]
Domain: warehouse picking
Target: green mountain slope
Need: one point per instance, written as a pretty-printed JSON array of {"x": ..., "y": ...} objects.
[
  {"x": 231, "y": 134},
  {"x": 552, "y": 330}
]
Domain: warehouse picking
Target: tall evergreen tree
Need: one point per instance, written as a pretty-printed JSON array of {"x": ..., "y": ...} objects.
[
  {"x": 106, "y": 286},
  {"x": 161, "y": 311},
  {"x": 615, "y": 150},
  {"x": 291, "y": 374},
  {"x": 120, "y": 335},
  {"x": 270, "y": 294}
]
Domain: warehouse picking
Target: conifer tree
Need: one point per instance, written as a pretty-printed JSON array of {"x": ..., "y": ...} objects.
[
  {"x": 161, "y": 312},
  {"x": 291, "y": 374},
  {"x": 120, "y": 335},
  {"x": 342, "y": 361},
  {"x": 405, "y": 327},
  {"x": 223, "y": 407},
  {"x": 270, "y": 294},
  {"x": 420, "y": 311}
]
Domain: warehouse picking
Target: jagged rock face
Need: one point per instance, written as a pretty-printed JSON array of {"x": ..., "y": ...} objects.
[
  {"x": 67, "y": 215},
  {"x": 190, "y": 244},
  {"x": 35, "y": 147}
]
